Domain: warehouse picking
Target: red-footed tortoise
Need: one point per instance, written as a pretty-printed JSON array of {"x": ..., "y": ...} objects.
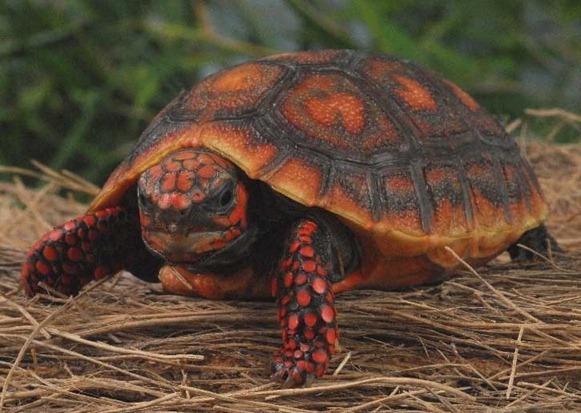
[{"x": 300, "y": 176}]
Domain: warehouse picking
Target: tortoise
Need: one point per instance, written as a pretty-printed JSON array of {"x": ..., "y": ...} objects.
[{"x": 299, "y": 176}]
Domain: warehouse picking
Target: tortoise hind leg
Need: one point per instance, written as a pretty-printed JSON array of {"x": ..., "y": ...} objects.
[
  {"x": 537, "y": 239},
  {"x": 93, "y": 246}
]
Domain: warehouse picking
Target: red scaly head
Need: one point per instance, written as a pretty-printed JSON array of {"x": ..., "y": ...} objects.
[{"x": 192, "y": 208}]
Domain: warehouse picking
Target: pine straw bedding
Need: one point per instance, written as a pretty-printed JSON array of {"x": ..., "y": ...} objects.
[{"x": 507, "y": 338}]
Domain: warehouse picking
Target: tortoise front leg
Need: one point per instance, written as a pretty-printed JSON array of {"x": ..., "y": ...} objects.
[
  {"x": 93, "y": 246},
  {"x": 302, "y": 285}
]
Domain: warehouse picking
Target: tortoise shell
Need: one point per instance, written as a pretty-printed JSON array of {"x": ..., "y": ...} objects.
[{"x": 403, "y": 157}]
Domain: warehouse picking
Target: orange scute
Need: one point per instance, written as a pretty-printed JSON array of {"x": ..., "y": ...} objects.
[
  {"x": 297, "y": 179},
  {"x": 345, "y": 108},
  {"x": 332, "y": 110},
  {"x": 340, "y": 201},
  {"x": 464, "y": 97},
  {"x": 238, "y": 79},
  {"x": 239, "y": 145},
  {"x": 230, "y": 93},
  {"x": 415, "y": 94}
]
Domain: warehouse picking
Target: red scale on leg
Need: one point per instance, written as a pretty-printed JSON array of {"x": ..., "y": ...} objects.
[
  {"x": 327, "y": 313},
  {"x": 303, "y": 298},
  {"x": 309, "y": 334},
  {"x": 42, "y": 268},
  {"x": 74, "y": 254},
  {"x": 70, "y": 226},
  {"x": 306, "y": 239},
  {"x": 49, "y": 253},
  {"x": 293, "y": 322},
  {"x": 307, "y": 251},
  {"x": 301, "y": 279},
  {"x": 288, "y": 279},
  {"x": 285, "y": 265},
  {"x": 309, "y": 266},
  {"x": 54, "y": 235},
  {"x": 319, "y": 285},
  {"x": 331, "y": 336},
  {"x": 294, "y": 246},
  {"x": 310, "y": 319},
  {"x": 89, "y": 220},
  {"x": 320, "y": 356}
]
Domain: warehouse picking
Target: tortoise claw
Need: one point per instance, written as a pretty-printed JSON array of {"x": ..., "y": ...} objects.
[
  {"x": 289, "y": 383},
  {"x": 291, "y": 372}
]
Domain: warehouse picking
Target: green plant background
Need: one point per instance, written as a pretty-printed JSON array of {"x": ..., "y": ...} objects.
[{"x": 80, "y": 79}]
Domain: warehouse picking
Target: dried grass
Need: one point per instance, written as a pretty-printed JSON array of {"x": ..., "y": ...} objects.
[{"x": 506, "y": 339}]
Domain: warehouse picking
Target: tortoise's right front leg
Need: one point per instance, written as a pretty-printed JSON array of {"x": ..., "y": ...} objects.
[{"x": 90, "y": 247}]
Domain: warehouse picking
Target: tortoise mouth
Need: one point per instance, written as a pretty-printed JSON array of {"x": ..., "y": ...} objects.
[{"x": 200, "y": 249}]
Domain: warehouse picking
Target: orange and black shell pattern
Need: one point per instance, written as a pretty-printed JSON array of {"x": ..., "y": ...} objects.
[{"x": 406, "y": 158}]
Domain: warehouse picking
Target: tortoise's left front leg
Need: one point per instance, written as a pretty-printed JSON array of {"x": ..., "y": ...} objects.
[{"x": 303, "y": 288}]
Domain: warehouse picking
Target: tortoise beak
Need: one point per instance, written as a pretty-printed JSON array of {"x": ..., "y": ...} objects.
[
  {"x": 201, "y": 250},
  {"x": 176, "y": 245}
]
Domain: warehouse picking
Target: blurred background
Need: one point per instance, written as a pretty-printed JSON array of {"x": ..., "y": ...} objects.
[{"x": 80, "y": 79}]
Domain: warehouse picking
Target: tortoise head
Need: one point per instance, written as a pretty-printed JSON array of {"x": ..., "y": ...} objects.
[{"x": 192, "y": 208}]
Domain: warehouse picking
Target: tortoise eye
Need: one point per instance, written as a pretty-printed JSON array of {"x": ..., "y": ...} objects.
[
  {"x": 226, "y": 198},
  {"x": 223, "y": 200}
]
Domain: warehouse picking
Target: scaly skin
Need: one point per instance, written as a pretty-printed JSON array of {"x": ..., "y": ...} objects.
[
  {"x": 306, "y": 302},
  {"x": 87, "y": 248}
]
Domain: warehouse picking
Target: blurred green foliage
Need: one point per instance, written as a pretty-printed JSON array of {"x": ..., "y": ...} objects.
[{"x": 80, "y": 79}]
